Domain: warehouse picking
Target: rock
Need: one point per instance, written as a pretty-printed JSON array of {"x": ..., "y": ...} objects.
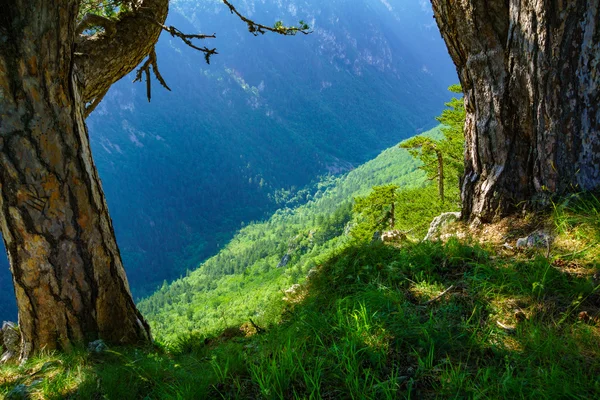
[
  {"x": 538, "y": 239},
  {"x": 376, "y": 237},
  {"x": 19, "y": 392},
  {"x": 439, "y": 222},
  {"x": 11, "y": 342},
  {"x": 508, "y": 246},
  {"x": 392, "y": 236},
  {"x": 294, "y": 294},
  {"x": 97, "y": 346},
  {"x": 584, "y": 316},
  {"x": 284, "y": 261},
  {"x": 312, "y": 273}
]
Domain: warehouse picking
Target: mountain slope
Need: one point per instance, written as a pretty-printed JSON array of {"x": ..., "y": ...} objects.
[
  {"x": 270, "y": 114},
  {"x": 265, "y": 258}
]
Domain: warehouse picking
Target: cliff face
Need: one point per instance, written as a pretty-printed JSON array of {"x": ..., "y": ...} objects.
[{"x": 530, "y": 71}]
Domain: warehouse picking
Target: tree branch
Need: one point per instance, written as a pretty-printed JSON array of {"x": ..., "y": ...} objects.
[
  {"x": 187, "y": 39},
  {"x": 151, "y": 62},
  {"x": 91, "y": 20},
  {"x": 279, "y": 28},
  {"x": 439, "y": 296},
  {"x": 92, "y": 106}
]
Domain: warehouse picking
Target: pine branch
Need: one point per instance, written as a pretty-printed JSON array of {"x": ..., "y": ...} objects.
[{"x": 256, "y": 28}]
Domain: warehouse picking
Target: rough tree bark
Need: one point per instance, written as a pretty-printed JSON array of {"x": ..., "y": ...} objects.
[
  {"x": 530, "y": 71},
  {"x": 67, "y": 270}
]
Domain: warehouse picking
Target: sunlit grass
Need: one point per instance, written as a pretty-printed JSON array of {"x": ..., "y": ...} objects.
[{"x": 371, "y": 325}]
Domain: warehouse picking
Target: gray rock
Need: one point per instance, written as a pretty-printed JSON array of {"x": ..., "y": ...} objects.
[
  {"x": 284, "y": 261},
  {"x": 97, "y": 346},
  {"x": 439, "y": 222},
  {"x": 538, "y": 239},
  {"x": 376, "y": 237},
  {"x": 312, "y": 273},
  {"x": 19, "y": 392},
  {"x": 11, "y": 342},
  {"x": 22, "y": 392}
]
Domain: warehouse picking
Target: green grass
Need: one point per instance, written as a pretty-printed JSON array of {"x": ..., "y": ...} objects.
[{"x": 365, "y": 327}]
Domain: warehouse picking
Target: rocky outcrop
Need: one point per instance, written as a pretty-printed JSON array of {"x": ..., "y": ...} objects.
[
  {"x": 392, "y": 236},
  {"x": 10, "y": 337},
  {"x": 439, "y": 222},
  {"x": 538, "y": 239}
]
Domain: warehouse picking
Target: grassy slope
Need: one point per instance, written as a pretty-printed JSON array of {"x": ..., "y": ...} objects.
[
  {"x": 370, "y": 325},
  {"x": 237, "y": 283}
]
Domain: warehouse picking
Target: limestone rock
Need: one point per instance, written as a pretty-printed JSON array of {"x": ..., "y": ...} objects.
[
  {"x": 11, "y": 342},
  {"x": 392, "y": 236},
  {"x": 97, "y": 346},
  {"x": 439, "y": 222},
  {"x": 538, "y": 239}
]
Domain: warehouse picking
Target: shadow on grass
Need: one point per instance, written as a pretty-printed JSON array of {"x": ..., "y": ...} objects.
[{"x": 371, "y": 324}]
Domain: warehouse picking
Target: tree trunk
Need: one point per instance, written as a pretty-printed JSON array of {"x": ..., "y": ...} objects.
[
  {"x": 530, "y": 73},
  {"x": 68, "y": 275},
  {"x": 440, "y": 161}
]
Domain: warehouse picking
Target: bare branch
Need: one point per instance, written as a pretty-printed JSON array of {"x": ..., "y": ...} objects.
[
  {"x": 91, "y": 20},
  {"x": 151, "y": 62},
  {"x": 439, "y": 296},
  {"x": 92, "y": 106},
  {"x": 187, "y": 39},
  {"x": 256, "y": 28}
]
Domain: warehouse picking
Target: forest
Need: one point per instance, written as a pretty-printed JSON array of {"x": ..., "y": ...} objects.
[{"x": 334, "y": 213}]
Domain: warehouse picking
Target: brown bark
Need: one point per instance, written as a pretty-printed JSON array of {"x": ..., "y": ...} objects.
[
  {"x": 104, "y": 59},
  {"x": 530, "y": 72},
  {"x": 67, "y": 270},
  {"x": 440, "y": 177}
]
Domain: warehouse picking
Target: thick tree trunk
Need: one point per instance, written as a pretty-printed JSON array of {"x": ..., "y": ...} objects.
[
  {"x": 531, "y": 75},
  {"x": 67, "y": 270}
]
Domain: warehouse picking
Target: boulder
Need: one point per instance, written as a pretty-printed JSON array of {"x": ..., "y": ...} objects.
[
  {"x": 538, "y": 239},
  {"x": 11, "y": 342},
  {"x": 97, "y": 346},
  {"x": 439, "y": 222},
  {"x": 392, "y": 236}
]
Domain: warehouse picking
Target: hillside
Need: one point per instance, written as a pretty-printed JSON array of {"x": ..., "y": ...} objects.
[
  {"x": 265, "y": 258},
  {"x": 465, "y": 318},
  {"x": 269, "y": 114}
]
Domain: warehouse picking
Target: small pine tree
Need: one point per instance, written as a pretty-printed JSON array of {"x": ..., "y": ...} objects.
[
  {"x": 443, "y": 159},
  {"x": 375, "y": 212}
]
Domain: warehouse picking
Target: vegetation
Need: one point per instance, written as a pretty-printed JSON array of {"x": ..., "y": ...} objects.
[
  {"x": 248, "y": 273},
  {"x": 443, "y": 158},
  {"x": 301, "y": 307},
  {"x": 370, "y": 323}
]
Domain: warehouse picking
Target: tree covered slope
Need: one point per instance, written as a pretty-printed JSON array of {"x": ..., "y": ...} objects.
[
  {"x": 270, "y": 114},
  {"x": 265, "y": 258}
]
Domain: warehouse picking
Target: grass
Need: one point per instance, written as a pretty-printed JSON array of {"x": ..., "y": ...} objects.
[{"x": 371, "y": 324}]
